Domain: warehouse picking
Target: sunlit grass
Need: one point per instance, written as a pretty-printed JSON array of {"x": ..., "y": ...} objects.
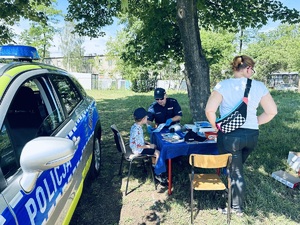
[{"x": 267, "y": 200}]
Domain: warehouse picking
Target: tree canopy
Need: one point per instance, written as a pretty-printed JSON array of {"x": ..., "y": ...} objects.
[
  {"x": 91, "y": 16},
  {"x": 233, "y": 15},
  {"x": 13, "y": 10},
  {"x": 170, "y": 29},
  {"x": 41, "y": 34},
  {"x": 276, "y": 50}
]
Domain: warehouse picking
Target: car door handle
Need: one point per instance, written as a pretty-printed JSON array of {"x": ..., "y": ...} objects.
[{"x": 76, "y": 141}]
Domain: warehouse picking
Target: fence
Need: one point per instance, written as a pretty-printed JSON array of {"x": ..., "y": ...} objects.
[{"x": 93, "y": 81}]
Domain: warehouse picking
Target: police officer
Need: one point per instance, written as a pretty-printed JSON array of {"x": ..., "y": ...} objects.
[{"x": 163, "y": 110}]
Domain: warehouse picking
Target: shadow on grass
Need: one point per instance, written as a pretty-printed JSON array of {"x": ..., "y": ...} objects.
[{"x": 102, "y": 200}]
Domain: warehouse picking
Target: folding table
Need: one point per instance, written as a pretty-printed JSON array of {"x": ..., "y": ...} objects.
[{"x": 169, "y": 150}]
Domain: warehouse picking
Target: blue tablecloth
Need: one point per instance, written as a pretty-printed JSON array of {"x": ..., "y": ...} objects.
[{"x": 171, "y": 150}]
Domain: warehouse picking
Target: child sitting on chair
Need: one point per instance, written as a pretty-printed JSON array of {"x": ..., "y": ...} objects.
[{"x": 137, "y": 142}]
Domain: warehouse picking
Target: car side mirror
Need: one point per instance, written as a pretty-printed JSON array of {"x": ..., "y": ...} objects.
[{"x": 41, "y": 154}]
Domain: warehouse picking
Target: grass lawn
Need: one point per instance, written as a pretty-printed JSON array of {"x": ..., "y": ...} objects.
[{"x": 267, "y": 200}]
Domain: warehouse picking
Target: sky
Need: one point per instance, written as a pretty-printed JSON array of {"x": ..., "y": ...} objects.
[
  {"x": 94, "y": 46},
  {"x": 97, "y": 46},
  {"x": 290, "y": 4}
]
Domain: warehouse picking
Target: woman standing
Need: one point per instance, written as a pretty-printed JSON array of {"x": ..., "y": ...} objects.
[{"x": 240, "y": 142}]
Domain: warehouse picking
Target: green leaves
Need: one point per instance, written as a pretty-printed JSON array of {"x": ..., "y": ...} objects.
[
  {"x": 276, "y": 50},
  {"x": 92, "y": 16},
  {"x": 40, "y": 34},
  {"x": 157, "y": 37},
  {"x": 13, "y": 10},
  {"x": 237, "y": 14}
]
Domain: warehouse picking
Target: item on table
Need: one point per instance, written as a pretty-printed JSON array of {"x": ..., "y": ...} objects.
[
  {"x": 191, "y": 136},
  {"x": 160, "y": 127},
  {"x": 206, "y": 129},
  {"x": 174, "y": 128},
  {"x": 189, "y": 126},
  {"x": 172, "y": 137},
  {"x": 203, "y": 126},
  {"x": 211, "y": 135}
]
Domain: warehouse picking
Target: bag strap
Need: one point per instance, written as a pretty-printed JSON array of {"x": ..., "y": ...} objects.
[{"x": 248, "y": 86}]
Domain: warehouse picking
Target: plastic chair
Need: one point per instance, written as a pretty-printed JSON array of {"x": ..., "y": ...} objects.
[
  {"x": 129, "y": 156},
  {"x": 210, "y": 181}
]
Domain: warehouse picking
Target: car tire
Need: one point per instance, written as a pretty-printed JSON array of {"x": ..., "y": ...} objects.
[{"x": 96, "y": 159}]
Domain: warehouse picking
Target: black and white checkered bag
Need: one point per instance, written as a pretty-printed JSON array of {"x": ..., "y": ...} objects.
[{"x": 236, "y": 117}]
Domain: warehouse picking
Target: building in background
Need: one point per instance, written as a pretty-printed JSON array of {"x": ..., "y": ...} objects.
[
  {"x": 93, "y": 64},
  {"x": 284, "y": 81},
  {"x": 96, "y": 72}
]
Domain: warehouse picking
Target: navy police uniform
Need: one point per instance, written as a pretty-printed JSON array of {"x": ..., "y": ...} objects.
[{"x": 161, "y": 113}]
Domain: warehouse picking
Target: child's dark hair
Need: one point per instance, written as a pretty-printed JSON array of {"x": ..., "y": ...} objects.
[
  {"x": 138, "y": 120},
  {"x": 139, "y": 114}
]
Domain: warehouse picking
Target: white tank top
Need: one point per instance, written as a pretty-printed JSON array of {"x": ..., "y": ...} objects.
[{"x": 233, "y": 90}]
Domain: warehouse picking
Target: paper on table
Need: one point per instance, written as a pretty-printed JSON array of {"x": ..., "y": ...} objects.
[
  {"x": 206, "y": 129},
  {"x": 204, "y": 124},
  {"x": 160, "y": 127},
  {"x": 172, "y": 137},
  {"x": 189, "y": 126},
  {"x": 175, "y": 141}
]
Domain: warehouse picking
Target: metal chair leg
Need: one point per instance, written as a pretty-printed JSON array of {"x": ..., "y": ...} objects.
[
  {"x": 229, "y": 198},
  {"x": 229, "y": 206},
  {"x": 192, "y": 202},
  {"x": 121, "y": 164},
  {"x": 143, "y": 161},
  {"x": 128, "y": 177},
  {"x": 152, "y": 174}
]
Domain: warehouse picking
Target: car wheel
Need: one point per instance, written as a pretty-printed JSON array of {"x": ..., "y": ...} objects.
[{"x": 96, "y": 159}]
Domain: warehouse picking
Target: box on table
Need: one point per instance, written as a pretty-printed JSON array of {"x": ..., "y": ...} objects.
[{"x": 286, "y": 178}]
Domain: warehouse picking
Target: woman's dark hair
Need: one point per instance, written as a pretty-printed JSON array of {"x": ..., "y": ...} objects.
[{"x": 241, "y": 62}]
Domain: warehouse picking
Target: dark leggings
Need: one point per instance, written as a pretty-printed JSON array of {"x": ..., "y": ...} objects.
[{"x": 240, "y": 143}]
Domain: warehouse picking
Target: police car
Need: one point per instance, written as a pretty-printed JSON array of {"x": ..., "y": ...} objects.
[{"x": 49, "y": 141}]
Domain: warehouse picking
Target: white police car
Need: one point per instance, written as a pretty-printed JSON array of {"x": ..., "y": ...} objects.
[{"x": 49, "y": 141}]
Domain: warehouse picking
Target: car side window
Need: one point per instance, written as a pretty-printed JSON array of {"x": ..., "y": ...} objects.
[
  {"x": 33, "y": 112},
  {"x": 21, "y": 124},
  {"x": 8, "y": 162},
  {"x": 69, "y": 94},
  {"x": 23, "y": 116}
]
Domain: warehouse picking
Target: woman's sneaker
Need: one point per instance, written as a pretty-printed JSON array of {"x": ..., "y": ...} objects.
[{"x": 233, "y": 211}]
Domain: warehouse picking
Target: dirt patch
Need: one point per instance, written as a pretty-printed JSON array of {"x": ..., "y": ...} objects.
[{"x": 104, "y": 202}]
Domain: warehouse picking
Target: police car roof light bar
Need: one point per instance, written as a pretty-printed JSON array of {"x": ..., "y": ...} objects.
[{"x": 21, "y": 52}]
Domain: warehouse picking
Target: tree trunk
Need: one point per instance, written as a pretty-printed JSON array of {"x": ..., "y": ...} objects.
[
  {"x": 241, "y": 40},
  {"x": 196, "y": 66}
]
